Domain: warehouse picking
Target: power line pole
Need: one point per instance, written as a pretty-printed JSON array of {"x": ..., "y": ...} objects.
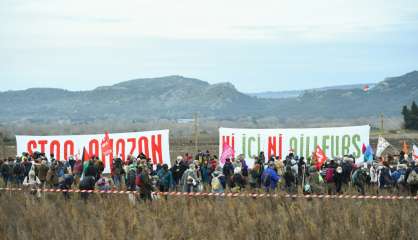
[
  {"x": 381, "y": 123},
  {"x": 196, "y": 132}
]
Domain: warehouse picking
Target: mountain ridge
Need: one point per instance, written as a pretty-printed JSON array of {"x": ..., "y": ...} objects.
[{"x": 173, "y": 97}]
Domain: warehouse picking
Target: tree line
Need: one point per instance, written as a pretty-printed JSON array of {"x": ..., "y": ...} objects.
[{"x": 410, "y": 116}]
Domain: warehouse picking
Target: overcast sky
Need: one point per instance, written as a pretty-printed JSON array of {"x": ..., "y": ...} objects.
[{"x": 256, "y": 45}]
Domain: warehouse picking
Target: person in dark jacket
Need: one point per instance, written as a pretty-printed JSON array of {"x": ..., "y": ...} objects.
[
  {"x": 228, "y": 171},
  {"x": 289, "y": 179},
  {"x": 165, "y": 179},
  {"x": 87, "y": 183},
  {"x": 359, "y": 180},
  {"x": 18, "y": 172},
  {"x": 338, "y": 179},
  {"x": 178, "y": 170},
  {"x": 6, "y": 171},
  {"x": 66, "y": 184},
  {"x": 237, "y": 182},
  {"x": 145, "y": 184},
  {"x": 91, "y": 170},
  {"x": 117, "y": 171}
]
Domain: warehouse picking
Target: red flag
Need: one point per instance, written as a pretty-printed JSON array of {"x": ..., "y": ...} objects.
[
  {"x": 320, "y": 156},
  {"x": 366, "y": 88},
  {"x": 363, "y": 148},
  {"x": 85, "y": 156},
  {"x": 227, "y": 152},
  {"x": 106, "y": 147}
]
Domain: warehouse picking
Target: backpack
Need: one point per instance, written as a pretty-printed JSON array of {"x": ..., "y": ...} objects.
[
  {"x": 412, "y": 178},
  {"x": 329, "y": 175},
  {"x": 216, "y": 184},
  {"x": 266, "y": 179}
]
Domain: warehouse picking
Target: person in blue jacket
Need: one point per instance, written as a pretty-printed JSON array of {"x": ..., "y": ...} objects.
[{"x": 270, "y": 178}]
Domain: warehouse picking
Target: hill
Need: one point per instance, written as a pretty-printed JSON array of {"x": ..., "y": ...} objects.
[
  {"x": 174, "y": 97},
  {"x": 298, "y": 93}
]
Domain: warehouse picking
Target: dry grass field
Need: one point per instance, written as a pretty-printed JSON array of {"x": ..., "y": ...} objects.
[{"x": 114, "y": 217}]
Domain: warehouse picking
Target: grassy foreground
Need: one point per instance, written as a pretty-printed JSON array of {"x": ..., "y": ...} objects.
[{"x": 114, "y": 217}]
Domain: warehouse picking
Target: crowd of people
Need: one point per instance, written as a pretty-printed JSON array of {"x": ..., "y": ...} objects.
[{"x": 204, "y": 173}]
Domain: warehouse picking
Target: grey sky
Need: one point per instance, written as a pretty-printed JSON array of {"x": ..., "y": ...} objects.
[{"x": 256, "y": 45}]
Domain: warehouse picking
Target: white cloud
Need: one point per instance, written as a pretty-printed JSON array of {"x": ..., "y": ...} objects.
[{"x": 66, "y": 22}]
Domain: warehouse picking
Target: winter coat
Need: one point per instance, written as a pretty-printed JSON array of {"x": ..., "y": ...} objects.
[
  {"x": 42, "y": 172},
  {"x": 274, "y": 178},
  {"x": 177, "y": 172},
  {"x": 165, "y": 178},
  {"x": 238, "y": 181}
]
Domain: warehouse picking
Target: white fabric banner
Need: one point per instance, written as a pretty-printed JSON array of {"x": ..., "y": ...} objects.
[
  {"x": 335, "y": 142},
  {"x": 382, "y": 144},
  {"x": 154, "y": 144}
]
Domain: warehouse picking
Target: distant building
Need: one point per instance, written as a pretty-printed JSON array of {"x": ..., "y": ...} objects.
[{"x": 185, "y": 120}]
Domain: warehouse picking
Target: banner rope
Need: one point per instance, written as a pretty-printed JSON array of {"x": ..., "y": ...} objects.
[{"x": 235, "y": 195}]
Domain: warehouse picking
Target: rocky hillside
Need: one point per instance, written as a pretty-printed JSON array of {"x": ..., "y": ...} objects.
[{"x": 174, "y": 97}]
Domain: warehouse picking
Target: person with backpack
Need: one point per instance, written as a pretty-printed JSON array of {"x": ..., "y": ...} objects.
[
  {"x": 269, "y": 178},
  {"x": 412, "y": 179},
  {"x": 329, "y": 178}
]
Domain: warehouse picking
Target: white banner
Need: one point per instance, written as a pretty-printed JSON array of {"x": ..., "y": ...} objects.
[
  {"x": 335, "y": 142},
  {"x": 154, "y": 144}
]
